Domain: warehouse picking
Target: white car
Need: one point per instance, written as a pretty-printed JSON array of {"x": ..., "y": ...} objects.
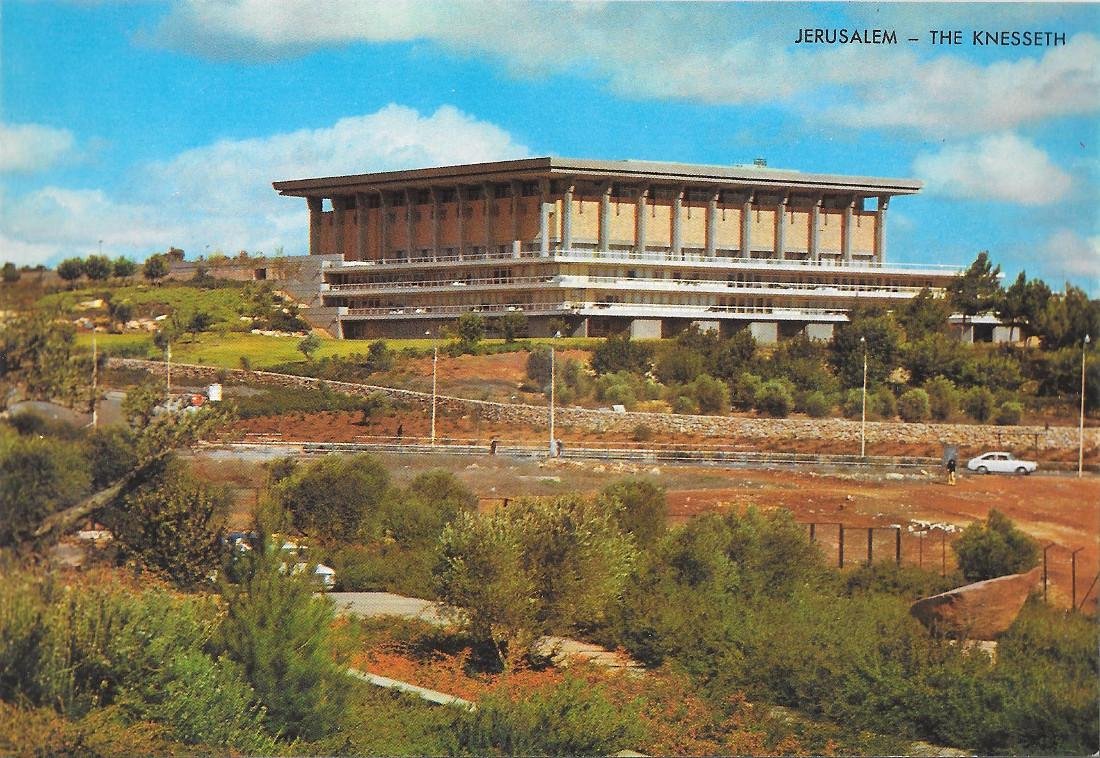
[{"x": 1000, "y": 463}]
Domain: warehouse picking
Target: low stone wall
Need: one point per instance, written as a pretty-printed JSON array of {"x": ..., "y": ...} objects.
[{"x": 734, "y": 427}]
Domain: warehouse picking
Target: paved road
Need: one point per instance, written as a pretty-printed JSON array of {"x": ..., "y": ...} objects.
[{"x": 370, "y": 604}]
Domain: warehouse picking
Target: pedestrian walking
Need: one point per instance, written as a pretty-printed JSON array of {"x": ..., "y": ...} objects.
[
  {"x": 400, "y": 430},
  {"x": 951, "y": 471},
  {"x": 493, "y": 446}
]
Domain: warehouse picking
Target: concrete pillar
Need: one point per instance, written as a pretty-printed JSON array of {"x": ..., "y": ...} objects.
[
  {"x": 383, "y": 226},
  {"x": 567, "y": 217},
  {"x": 605, "y": 218},
  {"x": 314, "y": 205},
  {"x": 712, "y": 225},
  {"x": 640, "y": 215},
  {"x": 544, "y": 218},
  {"x": 339, "y": 215},
  {"x": 435, "y": 223},
  {"x": 487, "y": 188},
  {"x": 764, "y": 332},
  {"x": 645, "y": 328},
  {"x": 361, "y": 210},
  {"x": 846, "y": 231},
  {"x": 880, "y": 228},
  {"x": 515, "y": 189},
  {"x": 819, "y": 332},
  {"x": 746, "y": 226},
  {"x": 780, "y": 228},
  {"x": 677, "y": 222},
  {"x": 410, "y": 224},
  {"x": 815, "y": 225},
  {"x": 460, "y": 205}
]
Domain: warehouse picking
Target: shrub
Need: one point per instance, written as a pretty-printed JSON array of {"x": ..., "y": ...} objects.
[
  {"x": 994, "y": 548},
  {"x": 943, "y": 398},
  {"x": 570, "y": 718},
  {"x": 1009, "y": 413},
  {"x": 642, "y": 433},
  {"x": 978, "y": 403},
  {"x": 679, "y": 365},
  {"x": 710, "y": 394},
  {"x": 336, "y": 497},
  {"x": 913, "y": 405},
  {"x": 882, "y": 404},
  {"x": 538, "y": 366},
  {"x": 470, "y": 329},
  {"x": 774, "y": 398},
  {"x": 619, "y": 353},
  {"x": 743, "y": 390},
  {"x": 643, "y": 510},
  {"x": 853, "y": 403},
  {"x": 684, "y": 405},
  {"x": 816, "y": 404}
]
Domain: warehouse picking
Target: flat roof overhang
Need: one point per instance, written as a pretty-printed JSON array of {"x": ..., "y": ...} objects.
[{"x": 654, "y": 172}]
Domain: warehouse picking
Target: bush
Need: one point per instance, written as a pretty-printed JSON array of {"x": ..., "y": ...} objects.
[
  {"x": 538, "y": 366},
  {"x": 643, "y": 510},
  {"x": 684, "y": 405},
  {"x": 978, "y": 404},
  {"x": 470, "y": 329},
  {"x": 882, "y": 404},
  {"x": 619, "y": 353},
  {"x": 994, "y": 548},
  {"x": 336, "y": 497},
  {"x": 710, "y": 394},
  {"x": 913, "y": 405},
  {"x": 642, "y": 433},
  {"x": 816, "y": 404},
  {"x": 774, "y": 398},
  {"x": 571, "y": 718},
  {"x": 743, "y": 390},
  {"x": 943, "y": 398},
  {"x": 1009, "y": 413},
  {"x": 678, "y": 365}
]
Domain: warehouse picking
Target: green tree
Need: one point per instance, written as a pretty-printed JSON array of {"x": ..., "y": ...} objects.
[
  {"x": 732, "y": 356},
  {"x": 38, "y": 477},
  {"x": 379, "y": 357},
  {"x": 170, "y": 525},
  {"x": 932, "y": 355},
  {"x": 470, "y": 328},
  {"x": 155, "y": 268},
  {"x": 1023, "y": 303},
  {"x": 993, "y": 548},
  {"x": 710, "y": 395},
  {"x": 280, "y": 634},
  {"x": 1067, "y": 318},
  {"x": 976, "y": 290},
  {"x": 620, "y": 353},
  {"x": 200, "y": 321},
  {"x": 642, "y": 511},
  {"x": 914, "y": 405},
  {"x": 538, "y": 366},
  {"x": 978, "y": 403},
  {"x": 11, "y": 272},
  {"x": 98, "y": 267},
  {"x": 943, "y": 398},
  {"x": 70, "y": 270},
  {"x": 774, "y": 398},
  {"x": 309, "y": 345},
  {"x": 678, "y": 365},
  {"x": 1009, "y": 413},
  {"x": 38, "y": 351},
  {"x": 924, "y": 315},
  {"x": 336, "y": 497},
  {"x": 510, "y": 325},
  {"x": 123, "y": 267},
  {"x": 416, "y": 515},
  {"x": 538, "y": 566},
  {"x": 883, "y": 338}
]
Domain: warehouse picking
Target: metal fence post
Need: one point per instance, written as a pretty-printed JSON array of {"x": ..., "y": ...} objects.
[
  {"x": 897, "y": 545},
  {"x": 870, "y": 545},
  {"x": 1073, "y": 576},
  {"x": 841, "y": 551}
]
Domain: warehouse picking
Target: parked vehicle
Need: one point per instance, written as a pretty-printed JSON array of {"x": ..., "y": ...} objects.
[{"x": 1001, "y": 463}]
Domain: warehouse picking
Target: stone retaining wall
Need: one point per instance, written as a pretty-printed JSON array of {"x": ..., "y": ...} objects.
[{"x": 735, "y": 427}]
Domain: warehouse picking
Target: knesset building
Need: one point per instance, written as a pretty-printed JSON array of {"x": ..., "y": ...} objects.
[{"x": 590, "y": 248}]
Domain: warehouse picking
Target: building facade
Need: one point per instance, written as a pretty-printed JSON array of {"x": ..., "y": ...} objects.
[{"x": 589, "y": 248}]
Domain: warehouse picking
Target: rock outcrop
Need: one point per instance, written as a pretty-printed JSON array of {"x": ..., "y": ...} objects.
[{"x": 979, "y": 611}]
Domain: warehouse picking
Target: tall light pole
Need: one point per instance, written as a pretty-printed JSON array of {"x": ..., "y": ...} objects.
[
  {"x": 168, "y": 366},
  {"x": 95, "y": 383},
  {"x": 435, "y": 372},
  {"x": 553, "y": 381},
  {"x": 1081, "y": 426},
  {"x": 863, "y": 413}
]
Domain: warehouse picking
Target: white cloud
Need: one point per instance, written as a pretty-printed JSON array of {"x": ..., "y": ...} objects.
[
  {"x": 220, "y": 195},
  {"x": 25, "y": 148},
  {"x": 718, "y": 53},
  {"x": 1067, "y": 252},
  {"x": 1001, "y": 167}
]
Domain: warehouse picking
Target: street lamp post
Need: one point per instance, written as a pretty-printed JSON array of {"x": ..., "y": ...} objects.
[
  {"x": 863, "y": 413},
  {"x": 1081, "y": 426},
  {"x": 435, "y": 373},
  {"x": 95, "y": 383}
]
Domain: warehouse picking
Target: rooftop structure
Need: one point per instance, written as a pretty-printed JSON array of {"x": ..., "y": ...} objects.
[{"x": 590, "y": 247}]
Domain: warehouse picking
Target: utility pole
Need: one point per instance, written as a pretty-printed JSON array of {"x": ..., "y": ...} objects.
[
  {"x": 863, "y": 414},
  {"x": 95, "y": 381},
  {"x": 1081, "y": 427}
]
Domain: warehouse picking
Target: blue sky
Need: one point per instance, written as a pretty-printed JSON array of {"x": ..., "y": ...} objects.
[{"x": 146, "y": 125}]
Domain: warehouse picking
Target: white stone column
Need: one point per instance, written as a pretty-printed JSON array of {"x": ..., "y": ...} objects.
[
  {"x": 712, "y": 225},
  {"x": 677, "y": 223},
  {"x": 605, "y": 218},
  {"x": 460, "y": 204},
  {"x": 567, "y": 216},
  {"x": 315, "y": 207},
  {"x": 846, "y": 230},
  {"x": 746, "y": 226},
  {"x": 780, "y": 227},
  {"x": 641, "y": 214},
  {"x": 544, "y": 218},
  {"x": 361, "y": 209},
  {"x": 815, "y": 224},
  {"x": 880, "y": 228}
]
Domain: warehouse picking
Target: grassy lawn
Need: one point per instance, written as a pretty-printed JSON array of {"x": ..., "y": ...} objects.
[
  {"x": 224, "y": 303},
  {"x": 226, "y": 349}
]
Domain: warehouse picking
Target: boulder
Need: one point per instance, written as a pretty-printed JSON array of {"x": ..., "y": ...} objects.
[{"x": 979, "y": 611}]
